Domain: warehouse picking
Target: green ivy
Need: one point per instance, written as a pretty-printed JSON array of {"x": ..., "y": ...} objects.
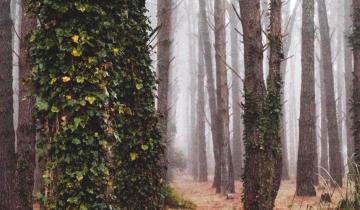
[{"x": 98, "y": 129}]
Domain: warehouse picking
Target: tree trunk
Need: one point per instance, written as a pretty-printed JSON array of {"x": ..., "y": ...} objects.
[
  {"x": 203, "y": 176},
  {"x": 355, "y": 40},
  {"x": 163, "y": 65},
  {"x": 7, "y": 134},
  {"x": 26, "y": 134},
  {"x": 207, "y": 46},
  {"x": 307, "y": 124},
  {"x": 324, "y": 158},
  {"x": 286, "y": 48},
  {"x": 334, "y": 141},
  {"x": 222, "y": 92},
  {"x": 348, "y": 60},
  {"x": 236, "y": 98}
]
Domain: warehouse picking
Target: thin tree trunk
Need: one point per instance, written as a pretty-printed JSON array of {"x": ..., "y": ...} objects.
[
  {"x": 334, "y": 141},
  {"x": 324, "y": 158},
  {"x": 355, "y": 40},
  {"x": 286, "y": 48},
  {"x": 163, "y": 65},
  {"x": 204, "y": 31},
  {"x": 222, "y": 92},
  {"x": 26, "y": 134},
  {"x": 236, "y": 97},
  {"x": 348, "y": 59},
  {"x": 307, "y": 124},
  {"x": 194, "y": 164},
  {"x": 7, "y": 133},
  {"x": 203, "y": 176}
]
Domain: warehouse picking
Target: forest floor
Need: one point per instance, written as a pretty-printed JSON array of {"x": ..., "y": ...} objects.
[{"x": 205, "y": 198}]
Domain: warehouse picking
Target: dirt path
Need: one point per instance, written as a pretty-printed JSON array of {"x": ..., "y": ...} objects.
[{"x": 204, "y": 196}]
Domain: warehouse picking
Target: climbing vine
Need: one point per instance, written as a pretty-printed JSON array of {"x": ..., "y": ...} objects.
[{"x": 98, "y": 135}]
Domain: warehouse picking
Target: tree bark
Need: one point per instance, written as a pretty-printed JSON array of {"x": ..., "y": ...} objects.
[
  {"x": 236, "y": 98},
  {"x": 163, "y": 66},
  {"x": 348, "y": 59},
  {"x": 222, "y": 92},
  {"x": 333, "y": 129},
  {"x": 355, "y": 40},
  {"x": 207, "y": 46},
  {"x": 7, "y": 133},
  {"x": 26, "y": 134},
  {"x": 286, "y": 48},
  {"x": 203, "y": 175},
  {"x": 324, "y": 158},
  {"x": 307, "y": 124}
]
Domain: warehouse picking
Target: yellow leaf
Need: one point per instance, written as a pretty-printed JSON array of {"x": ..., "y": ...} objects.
[
  {"x": 139, "y": 86},
  {"x": 68, "y": 97},
  {"x": 90, "y": 99},
  {"x": 75, "y": 38},
  {"x": 66, "y": 79},
  {"x": 76, "y": 53},
  {"x": 52, "y": 81},
  {"x": 133, "y": 156},
  {"x": 116, "y": 51}
]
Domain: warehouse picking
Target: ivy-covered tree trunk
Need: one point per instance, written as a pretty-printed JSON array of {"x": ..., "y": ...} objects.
[
  {"x": 94, "y": 84},
  {"x": 138, "y": 179},
  {"x": 237, "y": 144},
  {"x": 222, "y": 93},
  {"x": 26, "y": 135},
  {"x": 7, "y": 133},
  {"x": 307, "y": 129},
  {"x": 211, "y": 90},
  {"x": 254, "y": 89},
  {"x": 262, "y": 115},
  {"x": 335, "y": 158}
]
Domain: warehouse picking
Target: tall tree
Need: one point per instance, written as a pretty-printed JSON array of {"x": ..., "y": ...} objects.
[
  {"x": 262, "y": 114},
  {"x": 7, "y": 133},
  {"x": 207, "y": 46},
  {"x": 324, "y": 157},
  {"x": 327, "y": 64},
  {"x": 201, "y": 115},
  {"x": 222, "y": 93},
  {"x": 288, "y": 25},
  {"x": 26, "y": 135},
  {"x": 355, "y": 43},
  {"x": 348, "y": 60},
  {"x": 193, "y": 142},
  {"x": 237, "y": 144},
  {"x": 164, "y": 14},
  {"x": 307, "y": 124}
]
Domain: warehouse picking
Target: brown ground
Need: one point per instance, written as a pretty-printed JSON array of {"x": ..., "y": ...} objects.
[{"x": 204, "y": 196}]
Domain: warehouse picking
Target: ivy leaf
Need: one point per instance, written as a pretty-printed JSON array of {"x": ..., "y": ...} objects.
[
  {"x": 54, "y": 109},
  {"x": 82, "y": 102},
  {"x": 139, "y": 86},
  {"x": 76, "y": 141},
  {"x": 77, "y": 122},
  {"x": 42, "y": 105},
  {"x": 79, "y": 177},
  {"x": 75, "y": 52},
  {"x": 83, "y": 207},
  {"x": 90, "y": 99},
  {"x": 80, "y": 79},
  {"x": 144, "y": 147},
  {"x": 133, "y": 156}
]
